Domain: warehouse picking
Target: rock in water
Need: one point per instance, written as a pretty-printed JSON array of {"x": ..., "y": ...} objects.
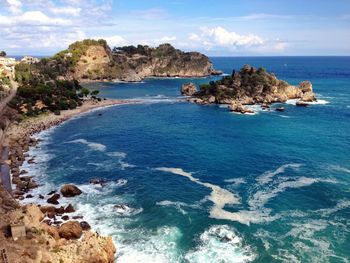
[
  {"x": 71, "y": 230},
  {"x": 188, "y": 89},
  {"x": 54, "y": 199},
  {"x": 85, "y": 225},
  {"x": 69, "y": 190},
  {"x": 249, "y": 86},
  {"x": 69, "y": 209}
]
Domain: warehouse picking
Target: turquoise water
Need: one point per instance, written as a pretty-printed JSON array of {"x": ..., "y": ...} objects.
[{"x": 202, "y": 184}]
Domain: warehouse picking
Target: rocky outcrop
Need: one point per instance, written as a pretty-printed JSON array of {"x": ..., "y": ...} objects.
[
  {"x": 188, "y": 89},
  {"x": 44, "y": 243},
  {"x": 91, "y": 60},
  {"x": 247, "y": 87},
  {"x": 71, "y": 230},
  {"x": 69, "y": 190}
]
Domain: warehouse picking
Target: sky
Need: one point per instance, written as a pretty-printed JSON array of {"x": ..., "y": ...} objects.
[{"x": 215, "y": 28}]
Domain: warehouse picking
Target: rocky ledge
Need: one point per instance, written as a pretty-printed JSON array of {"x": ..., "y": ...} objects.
[{"x": 249, "y": 86}]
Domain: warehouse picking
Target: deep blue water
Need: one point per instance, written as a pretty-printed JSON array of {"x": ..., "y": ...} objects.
[{"x": 283, "y": 177}]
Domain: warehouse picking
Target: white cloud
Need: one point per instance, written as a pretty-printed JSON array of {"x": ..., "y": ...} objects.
[
  {"x": 15, "y": 6},
  {"x": 168, "y": 39},
  {"x": 33, "y": 18},
  {"x": 150, "y": 14},
  {"x": 114, "y": 41},
  {"x": 73, "y": 11},
  {"x": 194, "y": 37},
  {"x": 220, "y": 36}
]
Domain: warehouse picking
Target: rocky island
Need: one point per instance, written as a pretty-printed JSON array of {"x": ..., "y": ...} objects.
[
  {"x": 94, "y": 60},
  {"x": 249, "y": 86}
]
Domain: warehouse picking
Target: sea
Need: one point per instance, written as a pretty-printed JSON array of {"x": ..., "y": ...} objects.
[{"x": 187, "y": 183}]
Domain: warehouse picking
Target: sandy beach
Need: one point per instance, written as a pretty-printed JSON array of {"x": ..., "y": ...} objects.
[{"x": 34, "y": 125}]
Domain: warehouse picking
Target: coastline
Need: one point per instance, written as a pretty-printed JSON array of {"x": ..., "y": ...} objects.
[
  {"x": 18, "y": 140},
  {"x": 34, "y": 125}
]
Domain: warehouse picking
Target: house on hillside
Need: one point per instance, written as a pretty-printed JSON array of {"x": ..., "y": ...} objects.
[{"x": 29, "y": 60}]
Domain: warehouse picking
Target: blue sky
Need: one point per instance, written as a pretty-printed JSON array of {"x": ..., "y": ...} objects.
[{"x": 221, "y": 28}]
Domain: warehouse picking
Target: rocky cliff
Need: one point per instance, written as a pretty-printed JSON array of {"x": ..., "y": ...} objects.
[
  {"x": 91, "y": 60},
  {"x": 48, "y": 243},
  {"x": 247, "y": 87}
]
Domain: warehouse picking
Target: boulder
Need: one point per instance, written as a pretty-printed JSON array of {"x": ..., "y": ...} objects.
[
  {"x": 238, "y": 107},
  {"x": 85, "y": 225},
  {"x": 69, "y": 209},
  {"x": 188, "y": 89},
  {"x": 54, "y": 199},
  {"x": 301, "y": 103},
  {"x": 70, "y": 190},
  {"x": 308, "y": 96},
  {"x": 70, "y": 230}
]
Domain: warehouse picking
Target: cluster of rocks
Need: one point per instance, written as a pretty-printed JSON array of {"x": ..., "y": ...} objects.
[
  {"x": 249, "y": 86},
  {"x": 17, "y": 156}
]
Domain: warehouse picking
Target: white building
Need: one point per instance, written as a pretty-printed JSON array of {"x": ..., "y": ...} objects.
[{"x": 29, "y": 60}]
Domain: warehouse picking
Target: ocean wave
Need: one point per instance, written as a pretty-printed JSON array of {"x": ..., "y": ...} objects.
[
  {"x": 318, "y": 102},
  {"x": 126, "y": 210},
  {"x": 93, "y": 145},
  {"x": 220, "y": 244}
]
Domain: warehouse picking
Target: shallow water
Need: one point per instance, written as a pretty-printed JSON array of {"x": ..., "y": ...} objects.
[{"x": 204, "y": 185}]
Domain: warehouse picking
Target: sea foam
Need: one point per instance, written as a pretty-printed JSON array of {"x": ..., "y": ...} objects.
[
  {"x": 220, "y": 244},
  {"x": 93, "y": 145}
]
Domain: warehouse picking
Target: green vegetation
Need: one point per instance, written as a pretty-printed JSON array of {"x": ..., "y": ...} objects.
[
  {"x": 40, "y": 90},
  {"x": 75, "y": 51},
  {"x": 3, "y": 54},
  {"x": 249, "y": 81}
]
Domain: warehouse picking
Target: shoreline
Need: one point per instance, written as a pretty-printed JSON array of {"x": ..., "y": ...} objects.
[
  {"x": 45, "y": 121},
  {"x": 19, "y": 140}
]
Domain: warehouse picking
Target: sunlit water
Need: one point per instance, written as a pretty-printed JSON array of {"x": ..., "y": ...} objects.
[{"x": 202, "y": 184}]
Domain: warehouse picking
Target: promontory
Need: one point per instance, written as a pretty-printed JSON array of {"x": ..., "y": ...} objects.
[{"x": 94, "y": 60}]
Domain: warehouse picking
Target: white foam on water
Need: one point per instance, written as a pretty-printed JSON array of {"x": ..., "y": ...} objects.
[
  {"x": 236, "y": 181},
  {"x": 339, "y": 168},
  {"x": 268, "y": 176},
  {"x": 341, "y": 205},
  {"x": 93, "y": 145},
  {"x": 220, "y": 244},
  {"x": 157, "y": 99},
  {"x": 318, "y": 102},
  {"x": 219, "y": 196},
  {"x": 178, "y": 205},
  {"x": 261, "y": 197},
  {"x": 121, "y": 160},
  {"x": 117, "y": 154}
]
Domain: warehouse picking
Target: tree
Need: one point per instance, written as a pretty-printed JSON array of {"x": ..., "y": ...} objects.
[
  {"x": 85, "y": 92},
  {"x": 3, "y": 54},
  {"x": 94, "y": 92}
]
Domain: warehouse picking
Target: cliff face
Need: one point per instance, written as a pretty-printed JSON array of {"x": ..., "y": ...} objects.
[
  {"x": 250, "y": 86},
  {"x": 91, "y": 60}
]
